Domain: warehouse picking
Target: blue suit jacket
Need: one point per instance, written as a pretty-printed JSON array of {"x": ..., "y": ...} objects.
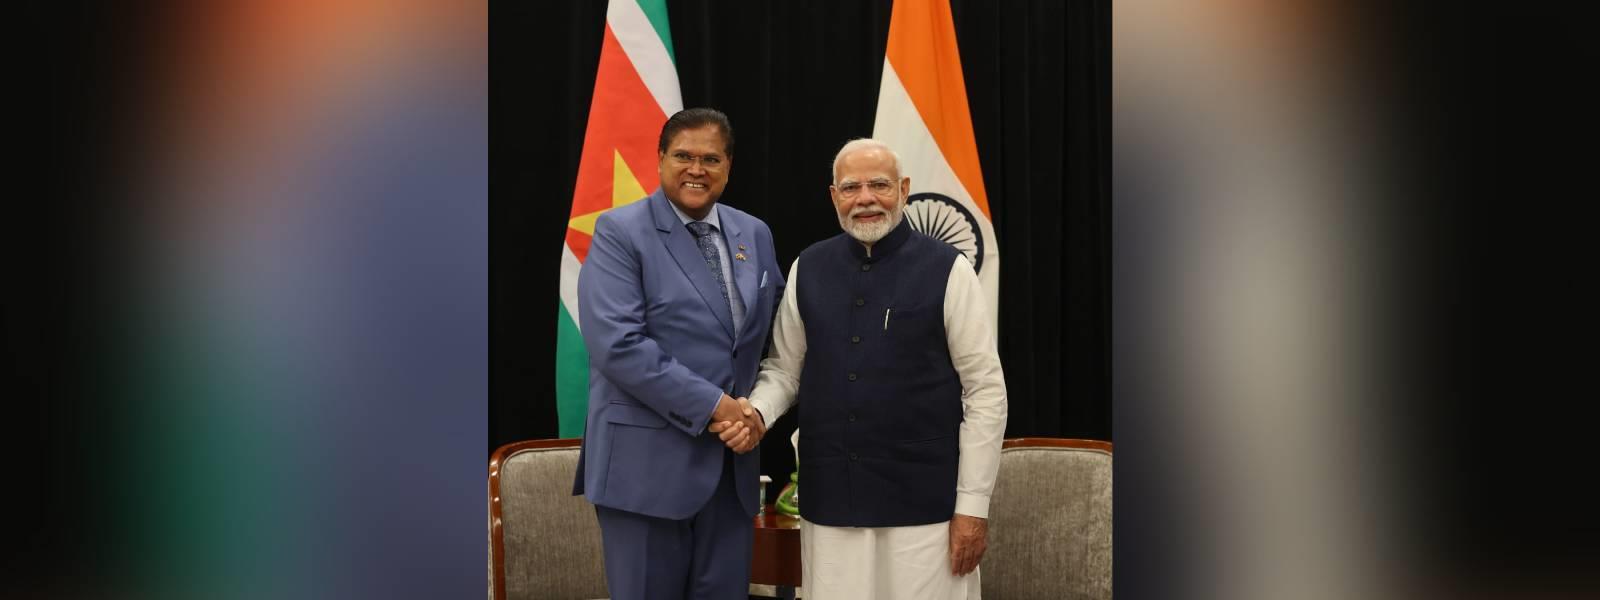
[{"x": 661, "y": 347}]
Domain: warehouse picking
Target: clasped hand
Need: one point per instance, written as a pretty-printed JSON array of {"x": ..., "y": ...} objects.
[{"x": 737, "y": 424}]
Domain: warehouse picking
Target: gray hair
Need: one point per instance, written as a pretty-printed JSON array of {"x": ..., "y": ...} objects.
[{"x": 864, "y": 144}]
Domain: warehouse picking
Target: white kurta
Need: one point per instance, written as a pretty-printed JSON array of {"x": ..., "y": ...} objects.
[
  {"x": 881, "y": 563},
  {"x": 901, "y": 562}
]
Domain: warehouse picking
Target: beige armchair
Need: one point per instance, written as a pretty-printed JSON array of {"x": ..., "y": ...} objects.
[
  {"x": 544, "y": 542},
  {"x": 1050, "y": 521}
]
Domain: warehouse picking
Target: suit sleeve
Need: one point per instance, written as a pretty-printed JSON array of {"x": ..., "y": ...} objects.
[{"x": 611, "y": 311}]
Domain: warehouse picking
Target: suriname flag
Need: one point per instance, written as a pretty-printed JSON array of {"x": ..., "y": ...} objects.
[{"x": 635, "y": 89}]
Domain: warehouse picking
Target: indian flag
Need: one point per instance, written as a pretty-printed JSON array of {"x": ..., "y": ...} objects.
[
  {"x": 635, "y": 90},
  {"x": 922, "y": 114}
]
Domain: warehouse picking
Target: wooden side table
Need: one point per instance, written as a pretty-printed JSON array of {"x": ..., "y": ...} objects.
[{"x": 775, "y": 556}]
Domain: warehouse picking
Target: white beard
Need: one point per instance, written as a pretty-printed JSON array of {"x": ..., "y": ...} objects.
[{"x": 869, "y": 233}]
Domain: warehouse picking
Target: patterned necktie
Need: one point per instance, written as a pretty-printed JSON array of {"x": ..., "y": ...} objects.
[{"x": 708, "y": 249}]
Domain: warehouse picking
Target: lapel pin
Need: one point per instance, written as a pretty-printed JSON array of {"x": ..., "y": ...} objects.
[
  {"x": 739, "y": 256},
  {"x": 741, "y": 247}
]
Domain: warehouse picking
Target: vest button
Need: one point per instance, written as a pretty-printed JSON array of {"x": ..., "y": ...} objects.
[
  {"x": 855, "y": 339},
  {"x": 860, "y": 302},
  {"x": 866, "y": 267},
  {"x": 852, "y": 456},
  {"x": 852, "y": 377},
  {"x": 852, "y": 417}
]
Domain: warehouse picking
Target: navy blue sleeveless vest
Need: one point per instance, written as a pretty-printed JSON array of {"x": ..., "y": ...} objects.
[{"x": 880, "y": 402}]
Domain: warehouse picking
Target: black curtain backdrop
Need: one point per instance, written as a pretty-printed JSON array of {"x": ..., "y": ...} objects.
[{"x": 798, "y": 79}]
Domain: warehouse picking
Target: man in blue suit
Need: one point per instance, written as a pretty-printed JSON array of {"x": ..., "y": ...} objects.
[{"x": 675, "y": 302}]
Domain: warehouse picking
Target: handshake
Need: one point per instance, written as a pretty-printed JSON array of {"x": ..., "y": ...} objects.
[{"x": 738, "y": 424}]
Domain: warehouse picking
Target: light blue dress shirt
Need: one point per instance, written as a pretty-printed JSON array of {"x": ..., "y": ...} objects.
[{"x": 735, "y": 300}]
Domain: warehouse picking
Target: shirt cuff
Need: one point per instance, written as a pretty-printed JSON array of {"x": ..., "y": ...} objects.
[
  {"x": 763, "y": 409},
  {"x": 972, "y": 505}
]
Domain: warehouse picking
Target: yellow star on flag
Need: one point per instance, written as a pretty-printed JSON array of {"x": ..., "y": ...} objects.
[{"x": 625, "y": 190}]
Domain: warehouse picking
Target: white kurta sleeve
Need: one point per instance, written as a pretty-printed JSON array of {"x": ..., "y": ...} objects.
[
  {"x": 971, "y": 339},
  {"x": 779, "y": 381}
]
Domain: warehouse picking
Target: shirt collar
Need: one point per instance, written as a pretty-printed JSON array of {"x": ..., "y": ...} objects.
[{"x": 711, "y": 217}]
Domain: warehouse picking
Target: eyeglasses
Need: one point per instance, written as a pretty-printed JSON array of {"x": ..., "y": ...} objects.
[
  {"x": 879, "y": 187},
  {"x": 709, "y": 162}
]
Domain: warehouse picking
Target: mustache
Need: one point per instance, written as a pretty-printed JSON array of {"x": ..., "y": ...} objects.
[{"x": 876, "y": 208}]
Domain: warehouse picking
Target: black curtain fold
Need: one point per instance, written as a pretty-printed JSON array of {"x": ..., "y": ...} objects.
[{"x": 798, "y": 79}]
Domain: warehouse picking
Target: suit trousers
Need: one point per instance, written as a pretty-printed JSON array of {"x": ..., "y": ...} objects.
[{"x": 703, "y": 557}]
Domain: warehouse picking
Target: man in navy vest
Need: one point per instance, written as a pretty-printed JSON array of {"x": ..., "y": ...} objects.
[
  {"x": 883, "y": 334},
  {"x": 675, "y": 302}
]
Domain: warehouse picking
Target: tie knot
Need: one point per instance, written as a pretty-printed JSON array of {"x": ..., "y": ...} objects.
[{"x": 699, "y": 228}]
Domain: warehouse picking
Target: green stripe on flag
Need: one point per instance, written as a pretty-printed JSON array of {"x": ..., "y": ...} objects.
[
  {"x": 656, "y": 11},
  {"x": 572, "y": 376}
]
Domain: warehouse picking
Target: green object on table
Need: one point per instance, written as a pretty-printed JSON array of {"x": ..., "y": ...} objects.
[{"x": 789, "y": 499}]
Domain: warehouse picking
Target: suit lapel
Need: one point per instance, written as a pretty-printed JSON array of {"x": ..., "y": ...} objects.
[
  {"x": 681, "y": 245},
  {"x": 745, "y": 272}
]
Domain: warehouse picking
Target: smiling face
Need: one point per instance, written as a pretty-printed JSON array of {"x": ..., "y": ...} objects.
[
  {"x": 869, "y": 194},
  {"x": 694, "y": 169}
]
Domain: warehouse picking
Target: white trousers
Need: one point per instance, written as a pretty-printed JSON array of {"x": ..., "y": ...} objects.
[{"x": 881, "y": 563}]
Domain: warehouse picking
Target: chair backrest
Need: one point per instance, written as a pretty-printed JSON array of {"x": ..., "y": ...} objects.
[
  {"x": 1050, "y": 521},
  {"x": 544, "y": 542}
]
